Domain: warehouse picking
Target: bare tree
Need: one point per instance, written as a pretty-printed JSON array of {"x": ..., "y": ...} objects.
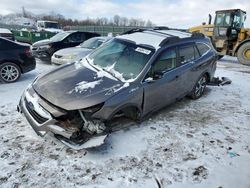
[{"x": 116, "y": 20}]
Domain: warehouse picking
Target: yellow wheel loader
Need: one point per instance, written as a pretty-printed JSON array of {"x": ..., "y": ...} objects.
[{"x": 228, "y": 34}]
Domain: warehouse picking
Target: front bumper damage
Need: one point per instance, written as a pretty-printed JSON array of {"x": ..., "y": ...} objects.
[{"x": 44, "y": 118}]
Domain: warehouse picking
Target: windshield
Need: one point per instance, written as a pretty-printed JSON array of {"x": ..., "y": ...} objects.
[
  {"x": 223, "y": 19},
  {"x": 124, "y": 60},
  {"x": 92, "y": 43},
  {"x": 59, "y": 36},
  {"x": 51, "y": 25}
]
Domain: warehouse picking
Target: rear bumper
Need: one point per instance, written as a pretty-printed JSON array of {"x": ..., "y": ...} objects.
[
  {"x": 28, "y": 65},
  {"x": 43, "y": 55},
  {"x": 30, "y": 108}
]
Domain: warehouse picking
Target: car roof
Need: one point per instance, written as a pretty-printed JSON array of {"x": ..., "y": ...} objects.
[
  {"x": 102, "y": 38},
  {"x": 4, "y": 30},
  {"x": 154, "y": 37}
]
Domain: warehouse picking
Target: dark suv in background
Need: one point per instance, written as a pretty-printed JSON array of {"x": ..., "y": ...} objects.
[
  {"x": 15, "y": 59},
  {"x": 44, "y": 49},
  {"x": 133, "y": 75}
]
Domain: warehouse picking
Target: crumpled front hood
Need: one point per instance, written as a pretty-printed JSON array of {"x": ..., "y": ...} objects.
[
  {"x": 73, "y": 51},
  {"x": 74, "y": 86},
  {"x": 42, "y": 42}
]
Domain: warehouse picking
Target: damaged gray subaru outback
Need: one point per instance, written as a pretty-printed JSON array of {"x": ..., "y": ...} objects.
[{"x": 132, "y": 76}]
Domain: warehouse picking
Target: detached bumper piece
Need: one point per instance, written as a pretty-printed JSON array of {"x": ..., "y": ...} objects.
[
  {"x": 216, "y": 81},
  {"x": 90, "y": 142}
]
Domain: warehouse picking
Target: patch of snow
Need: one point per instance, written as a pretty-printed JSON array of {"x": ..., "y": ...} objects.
[
  {"x": 34, "y": 100},
  {"x": 117, "y": 88},
  {"x": 144, "y": 38},
  {"x": 176, "y": 33},
  {"x": 53, "y": 30},
  {"x": 3, "y": 30},
  {"x": 133, "y": 89},
  {"x": 84, "y": 86}
]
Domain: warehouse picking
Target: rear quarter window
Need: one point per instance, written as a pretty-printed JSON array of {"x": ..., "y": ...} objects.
[{"x": 203, "y": 48}]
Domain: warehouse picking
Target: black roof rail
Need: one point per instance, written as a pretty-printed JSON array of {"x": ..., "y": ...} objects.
[
  {"x": 169, "y": 40},
  {"x": 160, "y": 28},
  {"x": 198, "y": 35},
  {"x": 134, "y": 30}
]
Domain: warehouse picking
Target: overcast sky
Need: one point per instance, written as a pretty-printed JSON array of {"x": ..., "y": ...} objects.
[{"x": 172, "y": 13}]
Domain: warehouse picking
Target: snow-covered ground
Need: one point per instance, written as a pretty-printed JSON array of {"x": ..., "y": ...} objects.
[{"x": 201, "y": 144}]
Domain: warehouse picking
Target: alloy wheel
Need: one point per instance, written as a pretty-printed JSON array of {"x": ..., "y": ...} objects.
[
  {"x": 9, "y": 73},
  {"x": 200, "y": 86}
]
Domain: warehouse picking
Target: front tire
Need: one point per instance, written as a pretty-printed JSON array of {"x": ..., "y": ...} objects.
[
  {"x": 199, "y": 88},
  {"x": 9, "y": 72},
  {"x": 243, "y": 54}
]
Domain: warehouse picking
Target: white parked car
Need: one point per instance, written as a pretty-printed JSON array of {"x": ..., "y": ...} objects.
[{"x": 73, "y": 54}]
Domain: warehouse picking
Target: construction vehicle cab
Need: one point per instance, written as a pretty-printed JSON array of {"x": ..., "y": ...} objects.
[
  {"x": 228, "y": 24},
  {"x": 228, "y": 34}
]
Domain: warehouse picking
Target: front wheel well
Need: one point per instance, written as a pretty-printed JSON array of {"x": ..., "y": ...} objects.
[
  {"x": 208, "y": 78},
  {"x": 131, "y": 112}
]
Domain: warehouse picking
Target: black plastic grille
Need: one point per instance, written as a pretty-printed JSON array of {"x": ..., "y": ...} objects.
[{"x": 34, "y": 114}]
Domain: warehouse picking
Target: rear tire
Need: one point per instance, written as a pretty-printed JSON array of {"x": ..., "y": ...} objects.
[
  {"x": 9, "y": 72},
  {"x": 220, "y": 57},
  {"x": 243, "y": 54},
  {"x": 199, "y": 87}
]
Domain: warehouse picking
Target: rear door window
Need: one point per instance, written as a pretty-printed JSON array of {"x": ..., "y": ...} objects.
[
  {"x": 203, "y": 48},
  {"x": 75, "y": 37},
  {"x": 187, "y": 54}
]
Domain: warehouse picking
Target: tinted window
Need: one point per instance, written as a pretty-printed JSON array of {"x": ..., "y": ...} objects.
[
  {"x": 75, "y": 37},
  {"x": 203, "y": 48},
  {"x": 90, "y": 35},
  {"x": 187, "y": 54},
  {"x": 92, "y": 43},
  {"x": 165, "y": 62}
]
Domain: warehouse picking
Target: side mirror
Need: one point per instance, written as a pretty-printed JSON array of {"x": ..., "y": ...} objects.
[{"x": 157, "y": 75}]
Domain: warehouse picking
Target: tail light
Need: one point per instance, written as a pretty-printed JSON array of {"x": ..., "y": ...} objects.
[{"x": 27, "y": 52}]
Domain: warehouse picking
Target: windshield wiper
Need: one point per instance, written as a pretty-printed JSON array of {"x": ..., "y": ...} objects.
[
  {"x": 112, "y": 74},
  {"x": 98, "y": 69},
  {"x": 91, "y": 64}
]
